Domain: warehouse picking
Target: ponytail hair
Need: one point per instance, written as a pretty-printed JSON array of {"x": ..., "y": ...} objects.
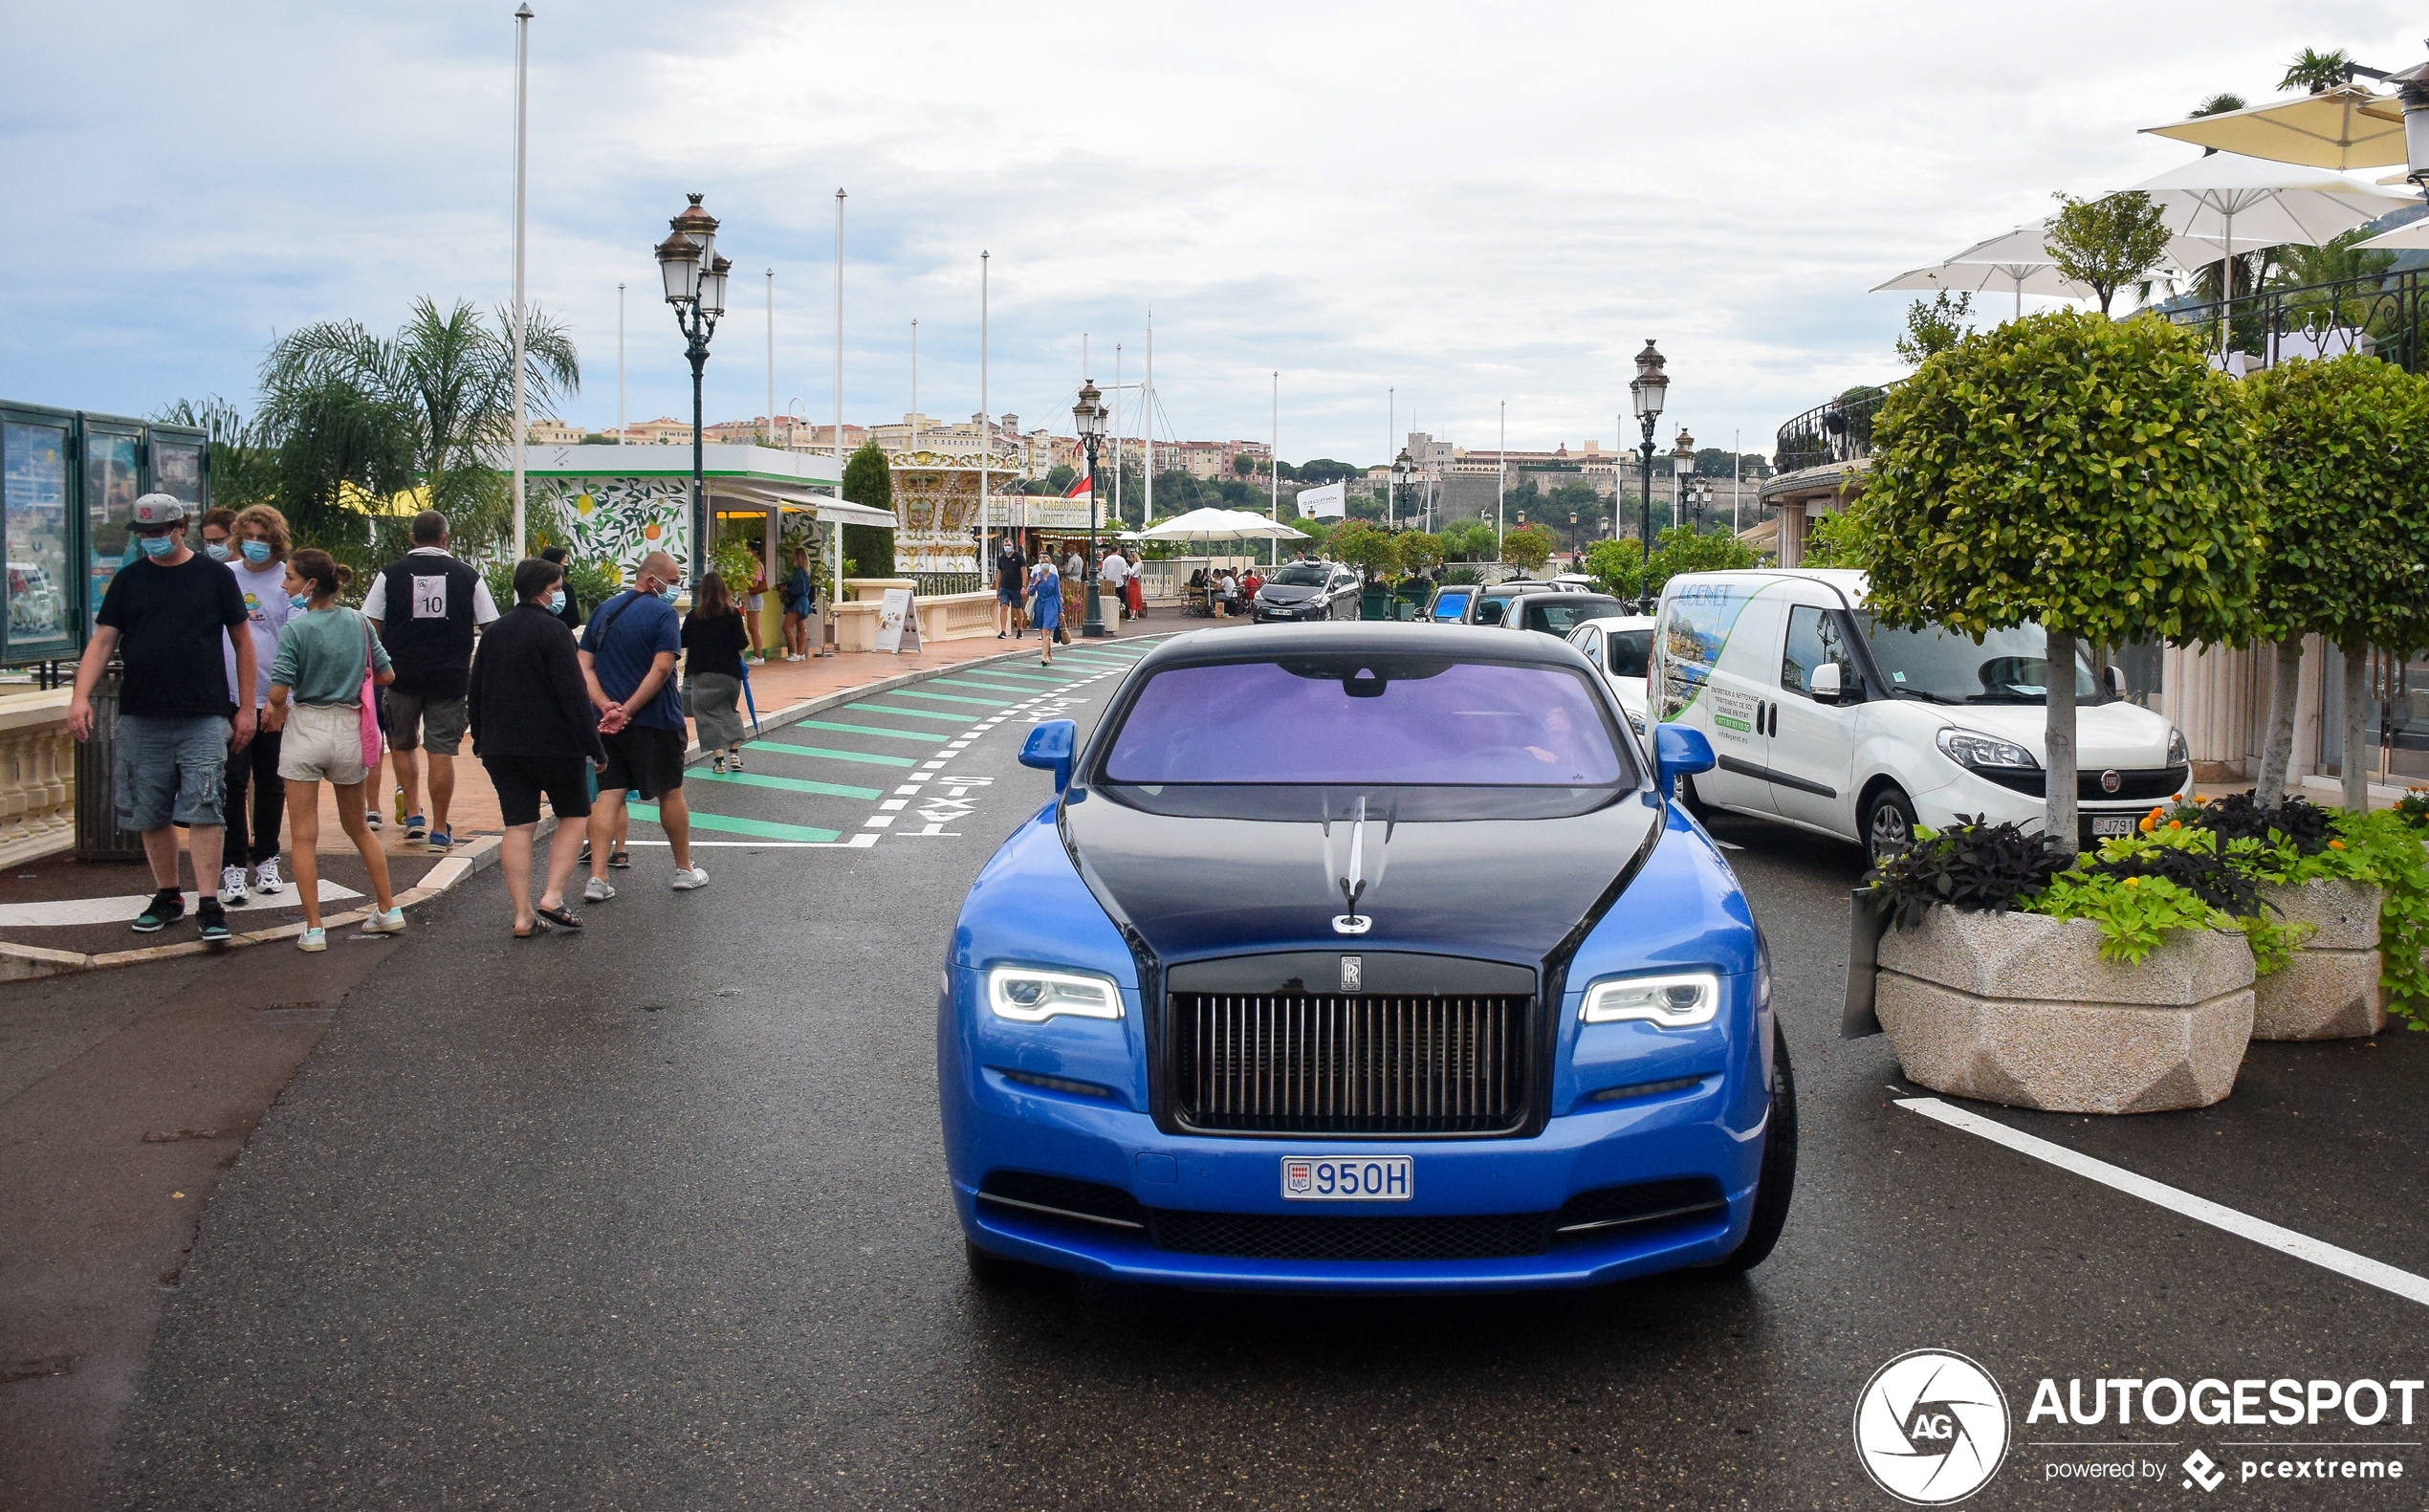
[{"x": 323, "y": 572}]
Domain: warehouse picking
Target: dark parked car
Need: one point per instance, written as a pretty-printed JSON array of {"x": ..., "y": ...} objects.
[
  {"x": 1307, "y": 590},
  {"x": 1465, "y": 604},
  {"x": 1559, "y": 613}
]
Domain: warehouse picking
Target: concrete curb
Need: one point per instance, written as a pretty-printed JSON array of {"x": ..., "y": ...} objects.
[{"x": 34, "y": 962}]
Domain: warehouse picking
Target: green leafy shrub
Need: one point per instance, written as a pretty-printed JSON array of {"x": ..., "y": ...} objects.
[
  {"x": 1977, "y": 867},
  {"x": 2133, "y": 913}
]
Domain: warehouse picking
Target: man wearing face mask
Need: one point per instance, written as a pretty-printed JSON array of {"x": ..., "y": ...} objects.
[
  {"x": 165, "y": 616},
  {"x": 628, "y": 652},
  {"x": 256, "y": 795}
]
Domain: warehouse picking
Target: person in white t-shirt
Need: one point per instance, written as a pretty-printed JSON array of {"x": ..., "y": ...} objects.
[
  {"x": 256, "y": 796},
  {"x": 1116, "y": 575}
]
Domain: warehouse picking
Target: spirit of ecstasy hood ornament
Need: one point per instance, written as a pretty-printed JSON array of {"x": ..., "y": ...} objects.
[{"x": 1353, "y": 882}]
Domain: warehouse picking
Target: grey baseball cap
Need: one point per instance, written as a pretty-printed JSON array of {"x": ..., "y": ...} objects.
[{"x": 158, "y": 508}]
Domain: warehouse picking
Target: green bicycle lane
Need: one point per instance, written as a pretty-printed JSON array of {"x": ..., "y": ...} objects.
[{"x": 880, "y": 763}]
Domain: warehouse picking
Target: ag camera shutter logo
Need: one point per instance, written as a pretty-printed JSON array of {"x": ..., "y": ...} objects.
[{"x": 1931, "y": 1427}]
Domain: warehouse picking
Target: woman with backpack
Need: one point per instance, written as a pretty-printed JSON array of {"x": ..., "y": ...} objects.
[{"x": 328, "y": 664}]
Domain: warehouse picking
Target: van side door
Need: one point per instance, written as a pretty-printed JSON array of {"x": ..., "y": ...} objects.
[{"x": 1813, "y": 743}]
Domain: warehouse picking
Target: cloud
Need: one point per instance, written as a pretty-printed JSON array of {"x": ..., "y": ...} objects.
[{"x": 1468, "y": 204}]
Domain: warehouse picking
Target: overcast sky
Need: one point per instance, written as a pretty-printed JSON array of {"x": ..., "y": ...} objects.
[{"x": 1470, "y": 203}]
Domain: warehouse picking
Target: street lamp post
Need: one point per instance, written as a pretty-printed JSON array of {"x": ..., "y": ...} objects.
[
  {"x": 1090, "y": 416},
  {"x": 1402, "y": 469},
  {"x": 695, "y": 280},
  {"x": 1646, "y": 392},
  {"x": 1682, "y": 467}
]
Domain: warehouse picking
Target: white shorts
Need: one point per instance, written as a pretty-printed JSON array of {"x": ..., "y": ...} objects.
[
  {"x": 752, "y": 602},
  {"x": 322, "y": 743}
]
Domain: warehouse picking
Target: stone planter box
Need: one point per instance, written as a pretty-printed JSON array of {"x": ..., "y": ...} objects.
[
  {"x": 2019, "y": 1009},
  {"x": 2330, "y": 990}
]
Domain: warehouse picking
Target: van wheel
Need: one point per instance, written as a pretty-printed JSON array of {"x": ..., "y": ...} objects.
[
  {"x": 1889, "y": 824},
  {"x": 1778, "y": 1178},
  {"x": 1689, "y": 800}
]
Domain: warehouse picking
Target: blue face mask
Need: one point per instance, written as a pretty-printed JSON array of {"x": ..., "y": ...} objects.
[
  {"x": 301, "y": 600},
  {"x": 667, "y": 592},
  {"x": 557, "y": 601},
  {"x": 157, "y": 546},
  {"x": 255, "y": 551},
  {"x": 215, "y": 550}
]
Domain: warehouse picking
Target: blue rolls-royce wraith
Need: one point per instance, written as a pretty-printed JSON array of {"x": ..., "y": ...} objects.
[{"x": 1363, "y": 957}]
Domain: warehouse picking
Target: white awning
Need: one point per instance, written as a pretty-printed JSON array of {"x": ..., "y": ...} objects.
[{"x": 733, "y": 494}]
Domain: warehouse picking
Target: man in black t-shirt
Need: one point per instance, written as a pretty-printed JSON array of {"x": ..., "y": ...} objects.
[{"x": 167, "y": 616}]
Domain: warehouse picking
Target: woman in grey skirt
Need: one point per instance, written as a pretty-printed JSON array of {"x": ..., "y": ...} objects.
[{"x": 715, "y": 638}]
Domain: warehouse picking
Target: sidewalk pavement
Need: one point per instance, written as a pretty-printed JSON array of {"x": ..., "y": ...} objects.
[{"x": 58, "y": 914}]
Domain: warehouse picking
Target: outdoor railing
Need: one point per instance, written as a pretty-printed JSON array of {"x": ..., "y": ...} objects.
[
  {"x": 936, "y": 585},
  {"x": 1838, "y": 432},
  {"x": 2381, "y": 315}
]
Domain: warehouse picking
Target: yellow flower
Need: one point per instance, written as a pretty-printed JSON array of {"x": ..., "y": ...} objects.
[
  {"x": 2133, "y": 882},
  {"x": 2176, "y": 823},
  {"x": 2335, "y": 844},
  {"x": 2150, "y": 822}
]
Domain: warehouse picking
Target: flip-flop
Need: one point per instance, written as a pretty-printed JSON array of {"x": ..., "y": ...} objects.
[{"x": 559, "y": 915}]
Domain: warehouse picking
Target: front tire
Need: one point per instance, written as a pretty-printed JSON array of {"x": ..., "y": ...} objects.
[
  {"x": 1697, "y": 808},
  {"x": 1888, "y": 824},
  {"x": 1778, "y": 1179}
]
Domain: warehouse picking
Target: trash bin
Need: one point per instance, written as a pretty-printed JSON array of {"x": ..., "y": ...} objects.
[{"x": 97, "y": 836}]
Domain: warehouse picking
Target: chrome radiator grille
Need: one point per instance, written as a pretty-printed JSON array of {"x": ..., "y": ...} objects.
[{"x": 1368, "y": 1065}]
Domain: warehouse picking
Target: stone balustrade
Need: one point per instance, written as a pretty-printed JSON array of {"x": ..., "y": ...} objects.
[
  {"x": 37, "y": 777},
  {"x": 947, "y": 617}
]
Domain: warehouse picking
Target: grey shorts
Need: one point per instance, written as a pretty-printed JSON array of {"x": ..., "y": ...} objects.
[
  {"x": 170, "y": 771},
  {"x": 415, "y": 722}
]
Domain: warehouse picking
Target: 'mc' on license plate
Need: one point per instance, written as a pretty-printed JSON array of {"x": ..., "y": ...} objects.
[
  {"x": 2113, "y": 824},
  {"x": 1348, "y": 1178}
]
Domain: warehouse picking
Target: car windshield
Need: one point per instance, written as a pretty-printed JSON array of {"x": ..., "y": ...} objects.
[
  {"x": 1299, "y": 575},
  {"x": 1562, "y": 613},
  {"x": 1629, "y": 652},
  {"x": 1941, "y": 667},
  {"x": 1358, "y": 720}
]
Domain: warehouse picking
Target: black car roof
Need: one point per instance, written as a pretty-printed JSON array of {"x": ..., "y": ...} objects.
[{"x": 1378, "y": 638}]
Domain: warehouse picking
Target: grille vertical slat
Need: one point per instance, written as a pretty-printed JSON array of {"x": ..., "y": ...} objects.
[{"x": 1349, "y": 1063}]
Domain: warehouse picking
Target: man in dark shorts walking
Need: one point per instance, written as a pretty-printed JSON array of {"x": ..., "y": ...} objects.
[
  {"x": 426, "y": 607},
  {"x": 628, "y": 652},
  {"x": 166, "y": 615}
]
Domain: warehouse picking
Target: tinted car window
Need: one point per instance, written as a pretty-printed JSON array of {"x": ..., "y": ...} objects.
[
  {"x": 1360, "y": 720},
  {"x": 1630, "y": 650},
  {"x": 1299, "y": 575},
  {"x": 1560, "y": 613},
  {"x": 1488, "y": 611},
  {"x": 2004, "y": 667},
  {"x": 1449, "y": 605}
]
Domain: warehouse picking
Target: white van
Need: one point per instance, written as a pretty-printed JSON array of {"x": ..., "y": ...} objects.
[{"x": 1823, "y": 721}]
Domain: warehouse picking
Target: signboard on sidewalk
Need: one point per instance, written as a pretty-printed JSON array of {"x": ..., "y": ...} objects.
[{"x": 898, "y": 620}]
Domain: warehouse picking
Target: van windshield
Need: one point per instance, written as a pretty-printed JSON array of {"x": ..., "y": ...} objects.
[{"x": 1941, "y": 667}]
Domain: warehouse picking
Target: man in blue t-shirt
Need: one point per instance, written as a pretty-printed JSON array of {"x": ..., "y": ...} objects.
[{"x": 628, "y": 652}]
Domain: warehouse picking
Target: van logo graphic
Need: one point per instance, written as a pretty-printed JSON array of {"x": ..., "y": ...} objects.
[
  {"x": 2110, "y": 781},
  {"x": 1353, "y": 973}
]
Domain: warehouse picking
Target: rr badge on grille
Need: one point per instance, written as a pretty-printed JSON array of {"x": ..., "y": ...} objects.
[{"x": 1353, "y": 973}]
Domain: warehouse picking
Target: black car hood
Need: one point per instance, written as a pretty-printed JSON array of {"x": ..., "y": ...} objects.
[{"x": 1503, "y": 890}]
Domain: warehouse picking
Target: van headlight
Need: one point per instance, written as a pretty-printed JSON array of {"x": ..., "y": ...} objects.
[
  {"x": 1030, "y": 994},
  {"x": 1673, "y": 1001},
  {"x": 2178, "y": 753},
  {"x": 1968, "y": 749}
]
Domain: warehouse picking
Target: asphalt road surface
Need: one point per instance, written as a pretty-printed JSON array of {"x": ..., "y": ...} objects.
[{"x": 655, "y": 1216}]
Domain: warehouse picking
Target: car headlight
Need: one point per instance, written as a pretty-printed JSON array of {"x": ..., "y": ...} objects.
[
  {"x": 1028, "y": 995},
  {"x": 1968, "y": 749},
  {"x": 2178, "y": 753},
  {"x": 1675, "y": 1000}
]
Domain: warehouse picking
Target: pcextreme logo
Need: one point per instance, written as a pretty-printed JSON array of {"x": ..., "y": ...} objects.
[{"x": 1931, "y": 1427}]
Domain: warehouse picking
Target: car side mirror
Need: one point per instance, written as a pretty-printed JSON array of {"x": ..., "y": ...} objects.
[
  {"x": 1677, "y": 749},
  {"x": 1825, "y": 684},
  {"x": 1049, "y": 750},
  {"x": 2116, "y": 676}
]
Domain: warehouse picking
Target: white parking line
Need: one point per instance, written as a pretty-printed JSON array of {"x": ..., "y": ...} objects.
[{"x": 2302, "y": 1246}]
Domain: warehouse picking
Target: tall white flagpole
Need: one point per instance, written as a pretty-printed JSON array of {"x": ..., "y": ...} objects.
[
  {"x": 770, "y": 356},
  {"x": 1737, "y": 439},
  {"x": 1117, "y": 435},
  {"x": 914, "y": 414},
  {"x": 619, "y": 363},
  {"x": 986, "y": 425},
  {"x": 1147, "y": 432},
  {"x": 522, "y": 83},
  {"x": 1390, "y": 426},
  {"x": 1501, "y": 485},
  {"x": 1273, "y": 473},
  {"x": 835, "y": 533}
]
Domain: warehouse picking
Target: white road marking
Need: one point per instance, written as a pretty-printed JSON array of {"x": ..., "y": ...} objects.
[
  {"x": 878, "y": 822},
  {"x": 893, "y": 804},
  {"x": 2302, "y": 1246},
  {"x": 849, "y": 843},
  {"x": 65, "y": 911}
]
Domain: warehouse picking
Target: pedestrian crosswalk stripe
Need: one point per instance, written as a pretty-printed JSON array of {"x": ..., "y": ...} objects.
[
  {"x": 739, "y": 826},
  {"x": 943, "y": 698},
  {"x": 1016, "y": 677},
  {"x": 993, "y": 688},
  {"x": 788, "y": 747},
  {"x": 871, "y": 730},
  {"x": 786, "y": 784},
  {"x": 907, "y": 713}
]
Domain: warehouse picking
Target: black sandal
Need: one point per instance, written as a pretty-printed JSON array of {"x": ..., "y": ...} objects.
[
  {"x": 561, "y": 916},
  {"x": 539, "y": 925}
]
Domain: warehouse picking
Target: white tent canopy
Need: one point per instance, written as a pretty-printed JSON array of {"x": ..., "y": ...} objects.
[{"x": 1221, "y": 524}]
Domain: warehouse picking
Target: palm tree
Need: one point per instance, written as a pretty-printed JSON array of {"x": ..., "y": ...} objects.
[
  {"x": 2315, "y": 71},
  {"x": 432, "y": 405}
]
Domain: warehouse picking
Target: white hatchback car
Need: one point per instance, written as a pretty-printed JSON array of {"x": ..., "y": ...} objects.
[
  {"x": 1619, "y": 645},
  {"x": 1822, "y": 720}
]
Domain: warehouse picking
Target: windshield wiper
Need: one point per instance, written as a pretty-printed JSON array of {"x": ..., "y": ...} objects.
[{"x": 1900, "y": 691}]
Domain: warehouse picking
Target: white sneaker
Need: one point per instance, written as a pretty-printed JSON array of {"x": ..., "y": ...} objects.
[
  {"x": 391, "y": 922},
  {"x": 686, "y": 881},
  {"x": 597, "y": 890},
  {"x": 231, "y": 887},
  {"x": 266, "y": 878}
]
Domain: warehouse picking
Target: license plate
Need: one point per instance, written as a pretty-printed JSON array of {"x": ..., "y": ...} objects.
[
  {"x": 2112, "y": 824},
  {"x": 1348, "y": 1179}
]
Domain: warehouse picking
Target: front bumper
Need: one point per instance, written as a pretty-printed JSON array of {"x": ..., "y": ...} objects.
[
  {"x": 993, "y": 1124},
  {"x": 1969, "y": 794}
]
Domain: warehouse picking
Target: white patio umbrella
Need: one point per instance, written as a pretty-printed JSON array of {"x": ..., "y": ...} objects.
[
  {"x": 2227, "y": 198},
  {"x": 2020, "y": 262},
  {"x": 2412, "y": 233},
  {"x": 2344, "y": 127},
  {"x": 1221, "y": 524}
]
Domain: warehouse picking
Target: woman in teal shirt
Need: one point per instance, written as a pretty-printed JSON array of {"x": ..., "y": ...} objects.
[{"x": 315, "y": 702}]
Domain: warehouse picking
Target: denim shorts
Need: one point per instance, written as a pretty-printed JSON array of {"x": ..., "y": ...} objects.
[{"x": 170, "y": 770}]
